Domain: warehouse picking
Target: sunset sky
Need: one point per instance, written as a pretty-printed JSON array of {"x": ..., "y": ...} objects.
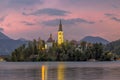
[{"x": 31, "y": 19}]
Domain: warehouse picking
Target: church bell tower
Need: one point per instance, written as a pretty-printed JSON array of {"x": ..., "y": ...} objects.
[{"x": 60, "y": 34}]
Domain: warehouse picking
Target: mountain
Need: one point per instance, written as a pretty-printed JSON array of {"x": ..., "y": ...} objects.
[
  {"x": 22, "y": 39},
  {"x": 7, "y": 45},
  {"x": 3, "y": 36},
  {"x": 113, "y": 47},
  {"x": 92, "y": 39}
]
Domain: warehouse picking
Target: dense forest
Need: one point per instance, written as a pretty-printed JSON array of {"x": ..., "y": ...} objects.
[
  {"x": 68, "y": 51},
  {"x": 114, "y": 47}
]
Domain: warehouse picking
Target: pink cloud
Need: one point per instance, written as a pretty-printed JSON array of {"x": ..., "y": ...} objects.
[{"x": 90, "y": 11}]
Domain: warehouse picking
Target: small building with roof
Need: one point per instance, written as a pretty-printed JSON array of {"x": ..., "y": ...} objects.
[{"x": 49, "y": 42}]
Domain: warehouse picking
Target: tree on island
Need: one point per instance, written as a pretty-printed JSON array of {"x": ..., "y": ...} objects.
[{"x": 68, "y": 51}]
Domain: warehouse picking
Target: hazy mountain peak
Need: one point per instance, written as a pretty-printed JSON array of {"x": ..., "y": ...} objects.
[
  {"x": 7, "y": 45},
  {"x": 93, "y": 39},
  {"x": 22, "y": 39},
  {"x": 3, "y": 36}
]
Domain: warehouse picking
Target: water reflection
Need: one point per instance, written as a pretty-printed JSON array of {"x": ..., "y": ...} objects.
[
  {"x": 60, "y": 70},
  {"x": 63, "y": 72},
  {"x": 44, "y": 72}
]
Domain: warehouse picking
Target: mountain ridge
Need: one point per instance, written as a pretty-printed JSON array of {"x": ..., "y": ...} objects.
[
  {"x": 7, "y": 45},
  {"x": 3, "y": 36},
  {"x": 93, "y": 39}
]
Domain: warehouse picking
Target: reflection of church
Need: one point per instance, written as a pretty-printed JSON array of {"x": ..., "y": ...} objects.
[
  {"x": 60, "y": 39},
  {"x": 45, "y": 71}
]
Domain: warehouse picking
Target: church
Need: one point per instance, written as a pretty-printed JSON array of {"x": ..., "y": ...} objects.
[
  {"x": 60, "y": 37},
  {"x": 60, "y": 34}
]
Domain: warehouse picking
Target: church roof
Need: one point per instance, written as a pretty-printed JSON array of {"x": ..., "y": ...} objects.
[
  {"x": 60, "y": 26},
  {"x": 50, "y": 39}
]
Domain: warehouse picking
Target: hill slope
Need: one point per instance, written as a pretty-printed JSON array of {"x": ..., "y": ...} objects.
[
  {"x": 7, "y": 45},
  {"x": 3, "y": 36}
]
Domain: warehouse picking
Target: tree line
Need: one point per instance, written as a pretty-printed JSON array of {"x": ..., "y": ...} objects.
[{"x": 68, "y": 51}]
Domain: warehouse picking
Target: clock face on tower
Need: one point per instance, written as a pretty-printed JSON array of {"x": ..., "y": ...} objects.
[{"x": 59, "y": 33}]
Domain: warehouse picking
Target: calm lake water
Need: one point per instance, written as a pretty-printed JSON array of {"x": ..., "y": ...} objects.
[{"x": 60, "y": 71}]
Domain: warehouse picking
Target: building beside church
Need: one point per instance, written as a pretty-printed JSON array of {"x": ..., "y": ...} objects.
[{"x": 50, "y": 41}]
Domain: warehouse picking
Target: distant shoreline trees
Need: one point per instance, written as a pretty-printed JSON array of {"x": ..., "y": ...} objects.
[{"x": 69, "y": 51}]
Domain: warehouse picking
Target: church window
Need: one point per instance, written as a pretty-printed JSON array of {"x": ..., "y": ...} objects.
[
  {"x": 59, "y": 37},
  {"x": 59, "y": 33}
]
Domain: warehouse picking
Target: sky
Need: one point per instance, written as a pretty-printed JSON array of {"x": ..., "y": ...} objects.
[{"x": 31, "y": 19}]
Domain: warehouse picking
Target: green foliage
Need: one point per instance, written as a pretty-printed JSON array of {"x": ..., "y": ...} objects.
[
  {"x": 114, "y": 47},
  {"x": 68, "y": 51},
  {"x": 107, "y": 56}
]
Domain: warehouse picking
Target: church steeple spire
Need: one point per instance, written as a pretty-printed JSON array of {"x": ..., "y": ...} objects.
[
  {"x": 60, "y": 26},
  {"x": 50, "y": 35}
]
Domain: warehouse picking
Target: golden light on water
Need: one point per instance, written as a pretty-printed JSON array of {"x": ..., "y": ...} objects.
[
  {"x": 61, "y": 69},
  {"x": 44, "y": 72},
  {"x": 60, "y": 72}
]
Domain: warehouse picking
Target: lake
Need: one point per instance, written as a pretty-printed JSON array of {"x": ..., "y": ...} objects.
[{"x": 60, "y": 70}]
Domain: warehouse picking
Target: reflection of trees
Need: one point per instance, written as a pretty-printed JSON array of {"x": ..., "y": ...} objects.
[
  {"x": 112, "y": 73},
  {"x": 108, "y": 71},
  {"x": 78, "y": 73},
  {"x": 84, "y": 73},
  {"x": 91, "y": 73},
  {"x": 75, "y": 73},
  {"x": 52, "y": 74},
  {"x": 71, "y": 74},
  {"x": 19, "y": 74}
]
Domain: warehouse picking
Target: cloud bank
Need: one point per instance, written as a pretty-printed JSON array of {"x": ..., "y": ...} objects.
[
  {"x": 50, "y": 12},
  {"x": 72, "y": 21}
]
